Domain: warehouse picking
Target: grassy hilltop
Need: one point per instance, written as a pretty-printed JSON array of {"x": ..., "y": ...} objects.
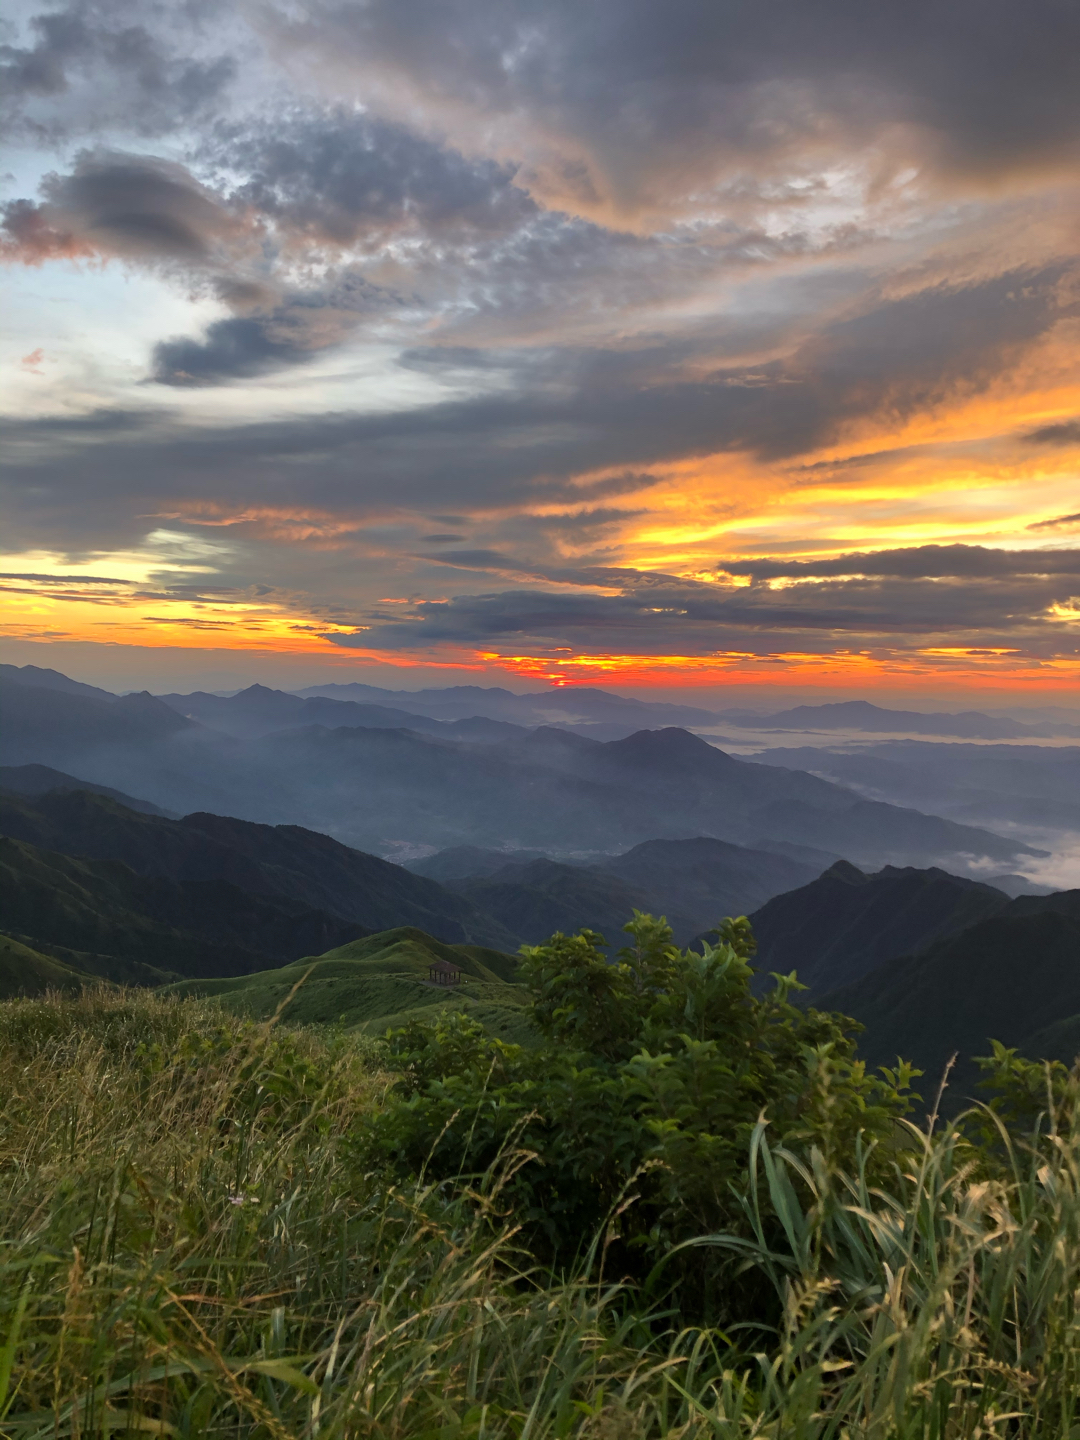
[
  {"x": 214, "y": 1224},
  {"x": 377, "y": 983}
]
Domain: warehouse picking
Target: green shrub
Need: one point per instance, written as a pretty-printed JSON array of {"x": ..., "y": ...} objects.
[
  {"x": 176, "y": 1260},
  {"x": 655, "y": 1070}
]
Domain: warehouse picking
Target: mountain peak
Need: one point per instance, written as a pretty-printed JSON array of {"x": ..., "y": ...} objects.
[
  {"x": 672, "y": 745},
  {"x": 848, "y": 873}
]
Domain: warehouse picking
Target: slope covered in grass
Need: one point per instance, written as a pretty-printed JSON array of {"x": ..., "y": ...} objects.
[
  {"x": 189, "y": 927},
  {"x": 24, "y": 971},
  {"x": 375, "y": 983},
  {"x": 195, "y": 1246}
]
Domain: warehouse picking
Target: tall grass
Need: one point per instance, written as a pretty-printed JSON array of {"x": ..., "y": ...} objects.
[{"x": 189, "y": 1247}]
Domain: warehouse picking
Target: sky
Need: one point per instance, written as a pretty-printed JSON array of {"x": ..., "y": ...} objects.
[{"x": 698, "y": 346}]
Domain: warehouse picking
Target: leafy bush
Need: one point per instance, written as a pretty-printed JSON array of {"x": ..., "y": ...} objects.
[
  {"x": 655, "y": 1070},
  {"x": 177, "y": 1261}
]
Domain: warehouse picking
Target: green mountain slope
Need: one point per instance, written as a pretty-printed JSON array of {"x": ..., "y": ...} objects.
[
  {"x": 24, "y": 971},
  {"x": 191, "y": 928},
  {"x": 692, "y": 882},
  {"x": 535, "y": 900},
  {"x": 375, "y": 983},
  {"x": 1012, "y": 978},
  {"x": 845, "y": 923},
  {"x": 286, "y": 864}
]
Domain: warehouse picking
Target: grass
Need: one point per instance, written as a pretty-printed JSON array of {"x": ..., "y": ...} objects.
[
  {"x": 374, "y": 984},
  {"x": 189, "y": 1246}
]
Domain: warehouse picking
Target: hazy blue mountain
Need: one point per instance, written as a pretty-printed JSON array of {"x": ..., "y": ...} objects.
[
  {"x": 1027, "y": 785},
  {"x": 259, "y": 711},
  {"x": 283, "y": 864},
  {"x": 537, "y": 899},
  {"x": 862, "y": 715},
  {"x": 545, "y": 789},
  {"x": 50, "y": 680},
  {"x": 705, "y": 879},
  {"x": 42, "y": 779},
  {"x": 577, "y": 704},
  {"x": 1014, "y": 977},
  {"x": 692, "y": 882},
  {"x": 845, "y": 923},
  {"x": 460, "y": 862}
]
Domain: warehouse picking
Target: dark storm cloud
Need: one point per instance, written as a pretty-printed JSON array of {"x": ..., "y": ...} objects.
[
  {"x": 554, "y": 416},
  {"x": 108, "y": 62},
  {"x": 656, "y": 614},
  {"x": 694, "y": 88},
  {"x": 336, "y": 177},
  {"x": 919, "y": 562},
  {"x": 291, "y": 333},
  {"x": 135, "y": 207},
  {"x": 1067, "y": 433},
  {"x": 233, "y": 348}
]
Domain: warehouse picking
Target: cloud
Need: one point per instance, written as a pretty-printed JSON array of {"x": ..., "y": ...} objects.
[
  {"x": 547, "y": 418},
  {"x": 636, "y": 104},
  {"x": 908, "y": 607},
  {"x": 92, "y": 65},
  {"x": 935, "y": 562},
  {"x": 132, "y": 207},
  {"x": 1066, "y": 433},
  {"x": 337, "y": 178},
  {"x": 291, "y": 333},
  {"x": 1058, "y": 521},
  {"x": 655, "y": 264}
]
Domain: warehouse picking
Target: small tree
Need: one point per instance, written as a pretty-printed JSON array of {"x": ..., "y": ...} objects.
[{"x": 653, "y": 1070}]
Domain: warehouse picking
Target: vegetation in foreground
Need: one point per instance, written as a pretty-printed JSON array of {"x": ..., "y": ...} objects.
[{"x": 214, "y": 1228}]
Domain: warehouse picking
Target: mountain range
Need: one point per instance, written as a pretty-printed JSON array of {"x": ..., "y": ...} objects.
[
  {"x": 395, "y": 790},
  {"x": 1032, "y": 786},
  {"x": 258, "y": 708},
  {"x": 929, "y": 962},
  {"x": 844, "y": 924},
  {"x": 281, "y": 866},
  {"x": 1013, "y": 977},
  {"x": 861, "y": 715},
  {"x": 692, "y": 883}
]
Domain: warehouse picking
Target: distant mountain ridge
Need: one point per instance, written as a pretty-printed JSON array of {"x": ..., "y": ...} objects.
[
  {"x": 844, "y": 924},
  {"x": 1023, "y": 785},
  {"x": 862, "y": 715},
  {"x": 573, "y": 703},
  {"x": 693, "y": 883},
  {"x": 388, "y": 790},
  {"x": 259, "y": 711},
  {"x": 43, "y": 780},
  {"x": 282, "y": 865},
  {"x": 1013, "y": 977}
]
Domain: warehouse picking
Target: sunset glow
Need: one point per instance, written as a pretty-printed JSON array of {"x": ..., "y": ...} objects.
[{"x": 451, "y": 372}]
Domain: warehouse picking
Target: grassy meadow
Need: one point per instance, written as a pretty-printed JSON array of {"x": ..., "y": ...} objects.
[{"x": 193, "y": 1242}]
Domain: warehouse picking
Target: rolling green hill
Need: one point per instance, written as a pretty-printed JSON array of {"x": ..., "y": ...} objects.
[
  {"x": 377, "y": 983},
  {"x": 27, "y": 972},
  {"x": 293, "y": 868},
  {"x": 190, "y": 928}
]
